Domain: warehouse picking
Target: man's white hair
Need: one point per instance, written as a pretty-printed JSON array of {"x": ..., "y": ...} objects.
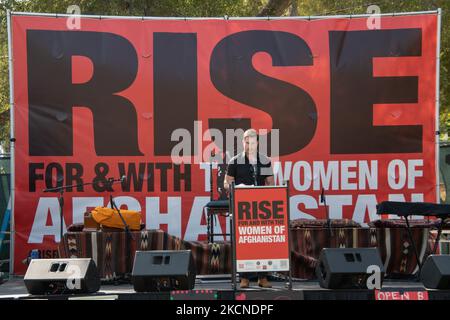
[{"x": 251, "y": 133}]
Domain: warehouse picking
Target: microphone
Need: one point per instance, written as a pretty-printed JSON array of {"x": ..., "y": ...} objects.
[
  {"x": 254, "y": 172},
  {"x": 121, "y": 179}
]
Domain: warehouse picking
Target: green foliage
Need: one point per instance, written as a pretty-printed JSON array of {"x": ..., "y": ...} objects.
[{"x": 218, "y": 8}]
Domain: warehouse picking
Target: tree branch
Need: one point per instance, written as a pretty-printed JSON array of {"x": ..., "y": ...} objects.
[{"x": 274, "y": 8}]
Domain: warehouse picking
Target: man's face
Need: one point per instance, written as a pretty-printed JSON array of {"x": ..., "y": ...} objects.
[{"x": 250, "y": 145}]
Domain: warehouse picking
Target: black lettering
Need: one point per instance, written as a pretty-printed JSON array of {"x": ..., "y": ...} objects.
[
  {"x": 100, "y": 182},
  {"x": 150, "y": 177},
  {"x": 255, "y": 210},
  {"x": 52, "y": 168},
  {"x": 233, "y": 74},
  {"x": 354, "y": 91},
  {"x": 52, "y": 95},
  {"x": 132, "y": 177},
  {"x": 175, "y": 87},
  {"x": 74, "y": 174},
  {"x": 163, "y": 167},
  {"x": 33, "y": 176},
  {"x": 264, "y": 208},
  {"x": 178, "y": 176},
  {"x": 277, "y": 208},
  {"x": 230, "y": 147},
  {"x": 243, "y": 208}
]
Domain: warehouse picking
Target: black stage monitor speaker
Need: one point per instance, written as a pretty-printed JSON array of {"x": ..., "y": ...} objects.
[
  {"x": 435, "y": 273},
  {"x": 163, "y": 271},
  {"x": 59, "y": 276},
  {"x": 348, "y": 268}
]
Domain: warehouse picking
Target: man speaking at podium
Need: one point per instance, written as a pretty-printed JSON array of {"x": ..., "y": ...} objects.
[{"x": 250, "y": 168}]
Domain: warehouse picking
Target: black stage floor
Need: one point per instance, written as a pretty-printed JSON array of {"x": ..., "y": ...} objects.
[{"x": 220, "y": 289}]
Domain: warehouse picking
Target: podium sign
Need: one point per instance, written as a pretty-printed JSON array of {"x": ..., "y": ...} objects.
[{"x": 261, "y": 228}]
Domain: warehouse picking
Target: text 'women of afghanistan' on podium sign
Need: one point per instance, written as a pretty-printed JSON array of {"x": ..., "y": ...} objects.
[{"x": 260, "y": 228}]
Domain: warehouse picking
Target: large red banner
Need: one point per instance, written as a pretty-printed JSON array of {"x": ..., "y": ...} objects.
[{"x": 353, "y": 107}]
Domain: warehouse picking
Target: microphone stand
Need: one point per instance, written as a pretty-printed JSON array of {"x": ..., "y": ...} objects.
[
  {"x": 128, "y": 233},
  {"x": 254, "y": 171},
  {"x": 324, "y": 201},
  {"x": 211, "y": 193},
  {"x": 61, "y": 190},
  {"x": 114, "y": 206},
  {"x": 211, "y": 184}
]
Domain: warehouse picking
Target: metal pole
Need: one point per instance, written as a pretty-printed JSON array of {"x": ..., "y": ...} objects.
[
  {"x": 12, "y": 149},
  {"x": 411, "y": 238},
  {"x": 233, "y": 244},
  {"x": 436, "y": 242},
  {"x": 347, "y": 16},
  {"x": 289, "y": 234},
  {"x": 438, "y": 49}
]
